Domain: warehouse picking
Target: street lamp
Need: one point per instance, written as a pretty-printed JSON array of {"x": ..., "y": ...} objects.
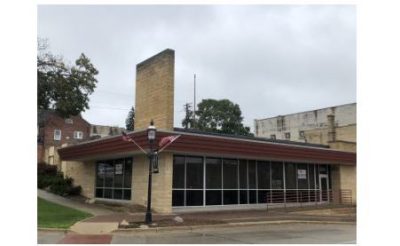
[{"x": 151, "y": 136}]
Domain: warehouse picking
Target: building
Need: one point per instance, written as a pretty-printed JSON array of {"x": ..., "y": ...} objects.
[
  {"x": 335, "y": 126},
  {"x": 203, "y": 170},
  {"x": 99, "y": 131},
  {"x": 54, "y": 131}
]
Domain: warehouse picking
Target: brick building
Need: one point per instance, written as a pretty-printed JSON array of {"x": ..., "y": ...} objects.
[
  {"x": 203, "y": 170},
  {"x": 54, "y": 131}
]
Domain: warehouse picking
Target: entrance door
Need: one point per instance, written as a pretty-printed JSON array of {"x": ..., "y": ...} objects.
[{"x": 324, "y": 188}]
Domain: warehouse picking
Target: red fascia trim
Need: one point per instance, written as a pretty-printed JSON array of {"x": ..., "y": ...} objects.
[{"x": 209, "y": 144}]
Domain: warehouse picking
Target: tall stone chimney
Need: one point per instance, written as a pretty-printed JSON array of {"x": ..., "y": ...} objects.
[
  {"x": 155, "y": 91},
  {"x": 331, "y": 128}
]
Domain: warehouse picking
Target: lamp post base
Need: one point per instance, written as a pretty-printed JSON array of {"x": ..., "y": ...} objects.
[{"x": 148, "y": 218}]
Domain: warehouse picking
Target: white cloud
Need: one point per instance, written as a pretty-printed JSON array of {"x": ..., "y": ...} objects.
[{"x": 269, "y": 59}]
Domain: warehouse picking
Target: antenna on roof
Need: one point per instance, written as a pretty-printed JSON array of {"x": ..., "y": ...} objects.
[{"x": 194, "y": 101}]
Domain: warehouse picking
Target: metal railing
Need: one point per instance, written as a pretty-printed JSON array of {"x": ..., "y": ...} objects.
[{"x": 299, "y": 198}]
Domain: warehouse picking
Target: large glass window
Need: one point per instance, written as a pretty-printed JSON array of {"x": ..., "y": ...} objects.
[
  {"x": 178, "y": 198},
  {"x": 204, "y": 181},
  {"x": 312, "y": 176},
  {"x": 243, "y": 194},
  {"x": 194, "y": 197},
  {"x": 178, "y": 180},
  {"x": 323, "y": 169},
  {"x": 290, "y": 170},
  {"x": 194, "y": 173},
  {"x": 213, "y": 181},
  {"x": 243, "y": 174},
  {"x": 302, "y": 176},
  {"x": 263, "y": 175},
  {"x": 230, "y": 174},
  {"x": 213, "y": 197},
  {"x": 277, "y": 175},
  {"x": 252, "y": 174},
  {"x": 114, "y": 179},
  {"x": 213, "y": 173}
]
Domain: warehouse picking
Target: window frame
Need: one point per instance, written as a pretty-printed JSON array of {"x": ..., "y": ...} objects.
[
  {"x": 77, "y": 134},
  {"x": 55, "y": 135},
  {"x": 112, "y": 188},
  {"x": 69, "y": 121},
  {"x": 246, "y": 195}
]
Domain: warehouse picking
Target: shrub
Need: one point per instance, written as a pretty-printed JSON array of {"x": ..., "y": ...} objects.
[
  {"x": 46, "y": 169},
  {"x": 75, "y": 191},
  {"x": 49, "y": 177}
]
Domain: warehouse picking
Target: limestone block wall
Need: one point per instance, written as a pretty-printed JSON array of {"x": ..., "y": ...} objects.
[
  {"x": 320, "y": 136},
  {"x": 303, "y": 121},
  {"x": 348, "y": 180},
  {"x": 83, "y": 173},
  {"x": 162, "y": 183},
  {"x": 51, "y": 156},
  {"x": 345, "y": 146},
  {"x": 344, "y": 178},
  {"x": 347, "y": 133},
  {"x": 155, "y": 91}
]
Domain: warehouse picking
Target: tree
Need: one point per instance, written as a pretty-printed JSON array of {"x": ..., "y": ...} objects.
[
  {"x": 221, "y": 116},
  {"x": 188, "y": 121},
  {"x": 65, "y": 89},
  {"x": 130, "y": 120}
]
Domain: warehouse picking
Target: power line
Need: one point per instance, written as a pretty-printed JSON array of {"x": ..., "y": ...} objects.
[
  {"x": 115, "y": 93},
  {"x": 109, "y": 108}
]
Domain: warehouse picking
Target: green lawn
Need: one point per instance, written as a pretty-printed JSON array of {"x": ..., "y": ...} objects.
[{"x": 51, "y": 215}]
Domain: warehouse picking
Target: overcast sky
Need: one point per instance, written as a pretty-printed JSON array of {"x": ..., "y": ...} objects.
[{"x": 271, "y": 60}]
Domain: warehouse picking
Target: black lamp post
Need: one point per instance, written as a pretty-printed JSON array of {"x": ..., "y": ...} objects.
[{"x": 151, "y": 136}]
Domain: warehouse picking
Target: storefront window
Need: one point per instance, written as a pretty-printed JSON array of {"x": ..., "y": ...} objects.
[
  {"x": 114, "y": 179},
  {"x": 179, "y": 172},
  {"x": 312, "y": 176},
  {"x": 252, "y": 174},
  {"x": 243, "y": 193},
  {"x": 213, "y": 173},
  {"x": 207, "y": 181},
  {"x": 230, "y": 174},
  {"x": 263, "y": 174},
  {"x": 194, "y": 173},
  {"x": 277, "y": 175},
  {"x": 302, "y": 176},
  {"x": 290, "y": 170},
  {"x": 243, "y": 174}
]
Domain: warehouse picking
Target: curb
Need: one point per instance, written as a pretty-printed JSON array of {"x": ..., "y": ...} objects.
[
  {"x": 45, "y": 229},
  {"x": 227, "y": 225}
]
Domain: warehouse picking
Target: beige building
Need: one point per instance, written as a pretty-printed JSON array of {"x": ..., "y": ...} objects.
[
  {"x": 202, "y": 170},
  {"x": 321, "y": 126},
  {"x": 99, "y": 131}
]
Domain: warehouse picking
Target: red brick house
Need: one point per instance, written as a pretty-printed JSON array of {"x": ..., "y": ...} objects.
[{"x": 54, "y": 131}]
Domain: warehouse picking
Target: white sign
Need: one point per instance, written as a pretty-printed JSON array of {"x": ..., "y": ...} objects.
[
  {"x": 118, "y": 169},
  {"x": 301, "y": 174}
]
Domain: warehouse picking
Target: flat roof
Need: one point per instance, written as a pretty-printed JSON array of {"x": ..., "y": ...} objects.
[
  {"x": 211, "y": 144},
  {"x": 269, "y": 140}
]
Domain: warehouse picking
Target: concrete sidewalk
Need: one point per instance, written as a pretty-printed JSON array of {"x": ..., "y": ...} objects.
[
  {"x": 89, "y": 208},
  {"x": 245, "y": 234},
  {"x": 107, "y": 221},
  {"x": 347, "y": 215}
]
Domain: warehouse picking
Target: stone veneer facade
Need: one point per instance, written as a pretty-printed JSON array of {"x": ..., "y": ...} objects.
[
  {"x": 154, "y": 101},
  {"x": 155, "y": 91}
]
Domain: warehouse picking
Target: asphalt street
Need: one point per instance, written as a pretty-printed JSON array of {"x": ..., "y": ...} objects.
[{"x": 298, "y": 233}]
